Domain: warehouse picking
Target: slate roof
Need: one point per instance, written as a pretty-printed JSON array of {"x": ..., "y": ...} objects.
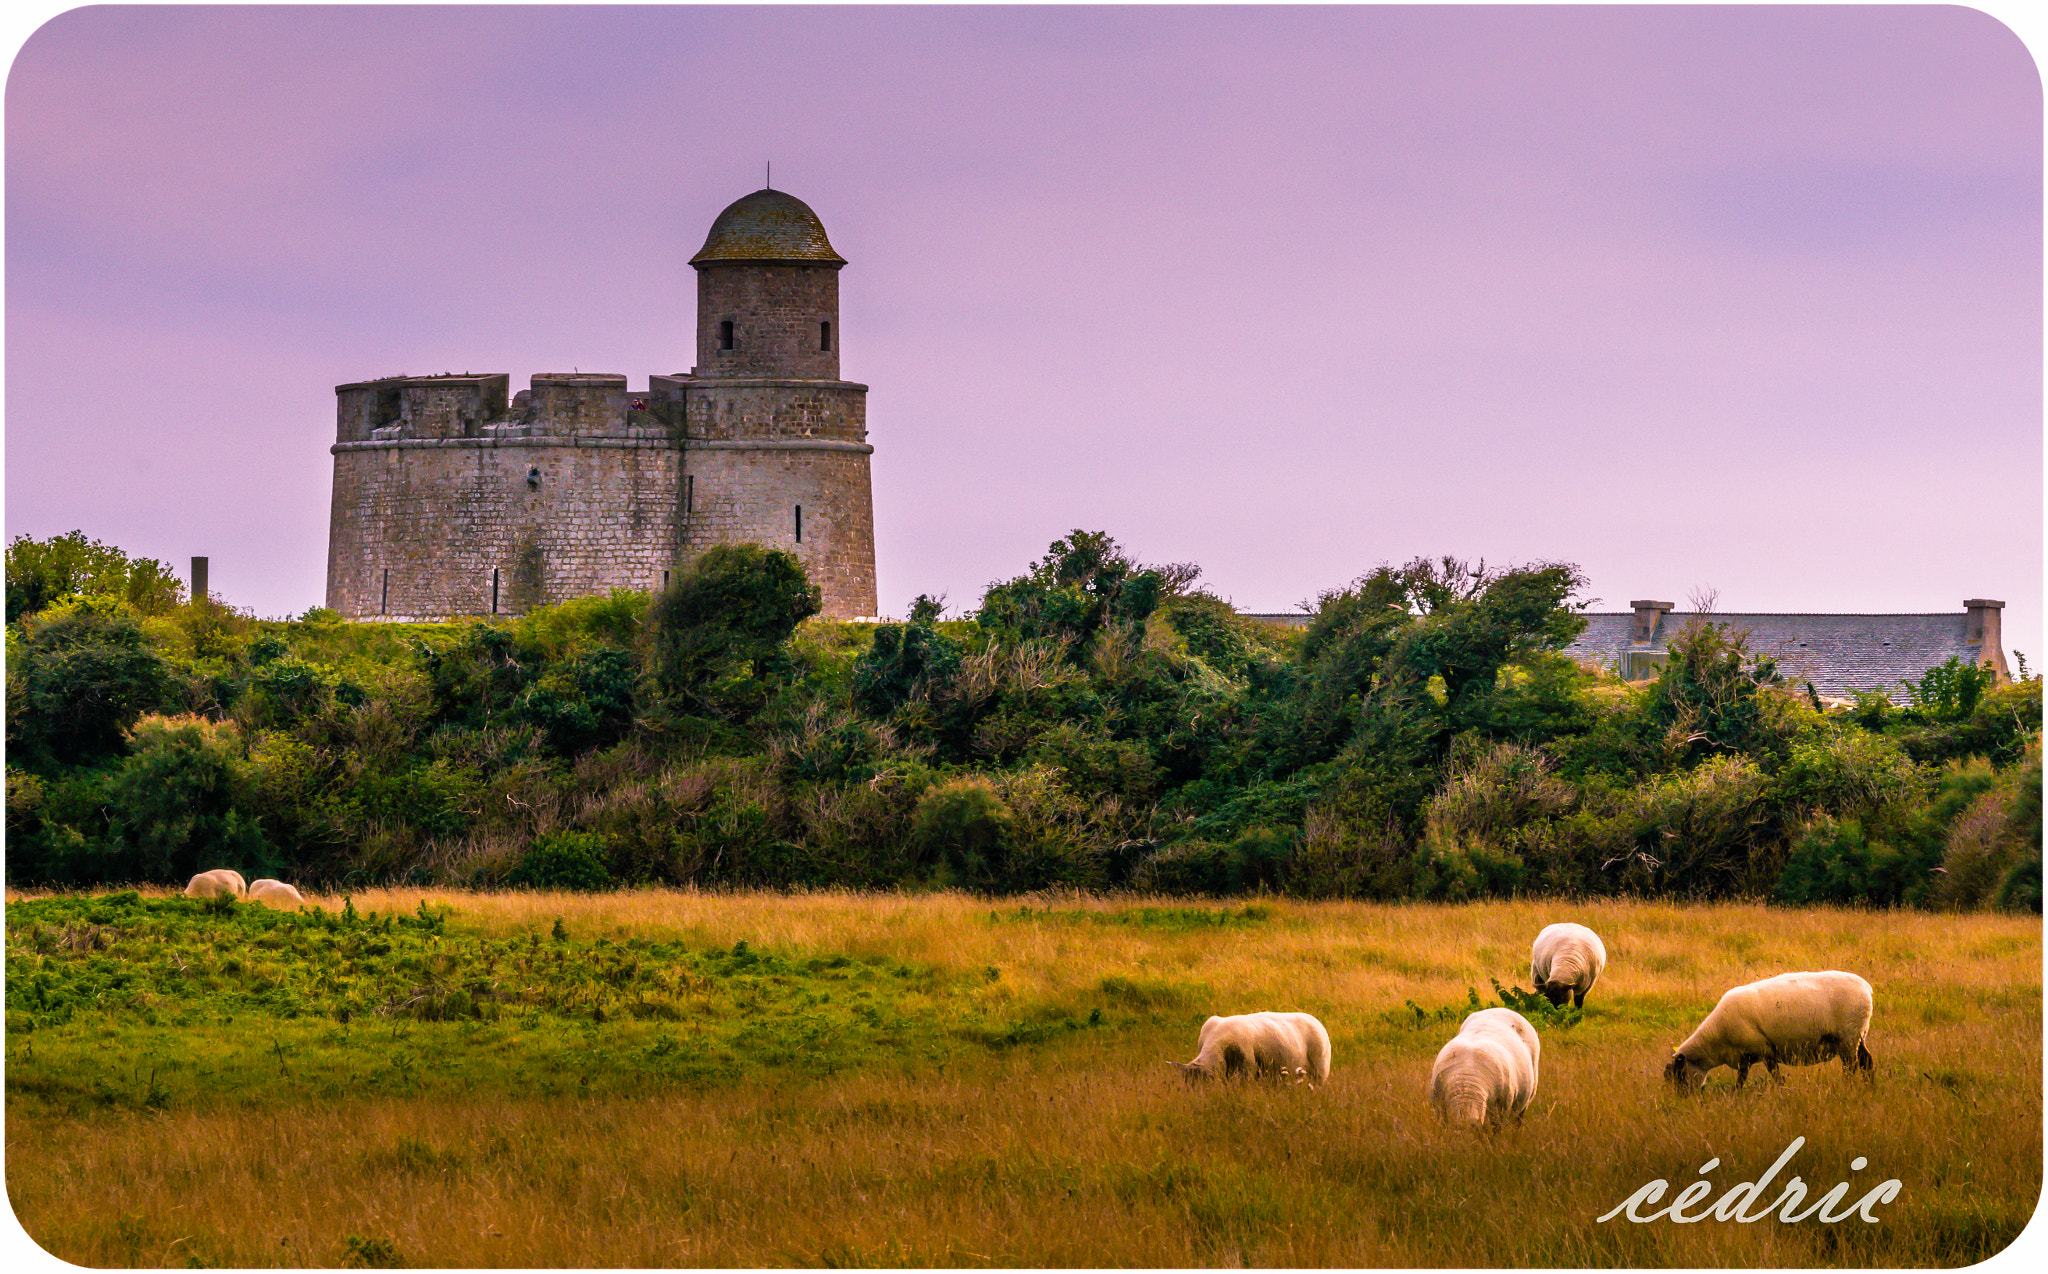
[
  {"x": 767, "y": 225},
  {"x": 1839, "y": 654}
]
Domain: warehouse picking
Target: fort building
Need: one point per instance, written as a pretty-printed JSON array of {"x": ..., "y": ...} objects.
[{"x": 455, "y": 497}]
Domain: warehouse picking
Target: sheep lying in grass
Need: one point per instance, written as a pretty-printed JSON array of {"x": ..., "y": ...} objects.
[
  {"x": 1796, "y": 1018},
  {"x": 1267, "y": 1045},
  {"x": 1487, "y": 1073},
  {"x": 274, "y": 893},
  {"x": 210, "y": 884},
  {"x": 1566, "y": 960}
]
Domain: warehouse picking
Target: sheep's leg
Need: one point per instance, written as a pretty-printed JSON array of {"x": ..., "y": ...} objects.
[
  {"x": 1742, "y": 1071},
  {"x": 1771, "y": 1065},
  {"x": 1863, "y": 1062},
  {"x": 1578, "y": 999}
]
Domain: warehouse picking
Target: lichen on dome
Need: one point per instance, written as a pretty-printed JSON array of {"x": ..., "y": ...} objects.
[{"x": 767, "y": 225}]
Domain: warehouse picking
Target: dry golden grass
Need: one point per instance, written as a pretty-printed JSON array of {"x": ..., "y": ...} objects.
[{"x": 1087, "y": 1151}]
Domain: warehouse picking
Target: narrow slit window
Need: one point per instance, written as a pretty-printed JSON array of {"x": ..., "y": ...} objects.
[
  {"x": 384, "y": 602},
  {"x": 494, "y": 590},
  {"x": 825, "y": 337},
  {"x": 664, "y": 581},
  {"x": 725, "y": 334},
  {"x": 689, "y": 492},
  {"x": 799, "y": 524}
]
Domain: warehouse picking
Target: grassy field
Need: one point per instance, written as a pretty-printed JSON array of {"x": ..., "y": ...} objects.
[{"x": 669, "y": 1078}]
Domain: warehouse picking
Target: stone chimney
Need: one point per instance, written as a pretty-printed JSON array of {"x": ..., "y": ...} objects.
[
  {"x": 1648, "y": 616},
  {"x": 1983, "y": 630}
]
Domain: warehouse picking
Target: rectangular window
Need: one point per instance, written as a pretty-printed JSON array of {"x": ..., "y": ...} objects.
[
  {"x": 664, "y": 581},
  {"x": 384, "y": 603},
  {"x": 825, "y": 337},
  {"x": 799, "y": 524},
  {"x": 689, "y": 492},
  {"x": 494, "y": 590},
  {"x": 725, "y": 334}
]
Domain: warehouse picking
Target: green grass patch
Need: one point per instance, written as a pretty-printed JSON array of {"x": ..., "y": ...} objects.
[{"x": 119, "y": 1001}]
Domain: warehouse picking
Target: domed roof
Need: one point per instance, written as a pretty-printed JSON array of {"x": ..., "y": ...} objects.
[{"x": 767, "y": 225}]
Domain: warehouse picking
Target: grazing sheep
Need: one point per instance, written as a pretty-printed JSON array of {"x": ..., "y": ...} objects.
[
  {"x": 1796, "y": 1018},
  {"x": 1280, "y": 1045},
  {"x": 274, "y": 893},
  {"x": 1487, "y": 1072},
  {"x": 1566, "y": 960},
  {"x": 208, "y": 884}
]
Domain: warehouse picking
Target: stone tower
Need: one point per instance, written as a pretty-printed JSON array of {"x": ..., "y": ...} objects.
[
  {"x": 777, "y": 442},
  {"x": 453, "y": 499}
]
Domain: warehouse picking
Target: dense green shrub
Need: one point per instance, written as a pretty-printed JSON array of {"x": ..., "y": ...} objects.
[
  {"x": 172, "y": 807},
  {"x": 76, "y": 682},
  {"x": 564, "y": 860},
  {"x": 965, "y": 832},
  {"x": 1083, "y": 582},
  {"x": 1992, "y": 854},
  {"x": 716, "y": 635},
  {"x": 904, "y": 661}
]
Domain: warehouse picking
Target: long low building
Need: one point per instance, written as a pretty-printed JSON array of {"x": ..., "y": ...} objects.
[{"x": 1841, "y": 655}]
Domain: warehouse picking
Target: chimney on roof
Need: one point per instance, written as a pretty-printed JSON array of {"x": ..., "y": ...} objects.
[
  {"x": 1648, "y": 616},
  {"x": 1984, "y": 631}
]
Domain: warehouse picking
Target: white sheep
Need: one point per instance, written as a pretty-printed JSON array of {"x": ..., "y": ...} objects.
[
  {"x": 209, "y": 884},
  {"x": 1796, "y": 1018},
  {"x": 1279, "y": 1045},
  {"x": 274, "y": 893},
  {"x": 1487, "y": 1073},
  {"x": 1566, "y": 960}
]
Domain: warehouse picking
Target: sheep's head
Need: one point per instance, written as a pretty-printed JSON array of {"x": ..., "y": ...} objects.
[
  {"x": 1192, "y": 1072},
  {"x": 1685, "y": 1074},
  {"x": 1555, "y": 992}
]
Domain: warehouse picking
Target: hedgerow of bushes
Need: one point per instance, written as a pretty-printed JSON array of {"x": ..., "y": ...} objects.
[{"x": 1095, "y": 723}]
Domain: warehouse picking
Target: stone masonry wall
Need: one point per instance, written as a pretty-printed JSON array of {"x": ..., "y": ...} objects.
[
  {"x": 751, "y": 492},
  {"x": 775, "y": 310},
  {"x": 776, "y": 409},
  {"x": 441, "y": 515}
]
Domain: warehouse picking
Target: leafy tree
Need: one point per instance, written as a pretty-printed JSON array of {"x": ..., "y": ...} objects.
[
  {"x": 1084, "y": 581},
  {"x": 40, "y": 572},
  {"x": 172, "y": 806},
  {"x": 1707, "y": 694},
  {"x": 904, "y": 660},
  {"x": 717, "y": 633},
  {"x": 1950, "y": 692},
  {"x": 78, "y": 682}
]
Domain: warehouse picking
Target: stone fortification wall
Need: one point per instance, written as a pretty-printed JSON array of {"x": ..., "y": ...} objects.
[
  {"x": 419, "y": 407},
  {"x": 731, "y": 410},
  {"x": 810, "y": 498},
  {"x": 574, "y": 490},
  {"x": 577, "y": 493}
]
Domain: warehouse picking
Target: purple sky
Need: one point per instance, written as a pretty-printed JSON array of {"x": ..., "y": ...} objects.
[{"x": 1741, "y": 298}]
